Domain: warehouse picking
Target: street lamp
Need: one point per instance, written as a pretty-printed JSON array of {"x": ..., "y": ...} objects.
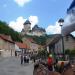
[{"x": 61, "y": 21}]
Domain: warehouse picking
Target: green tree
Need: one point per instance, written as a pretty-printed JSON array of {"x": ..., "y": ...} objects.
[
  {"x": 42, "y": 54},
  {"x": 67, "y": 51},
  {"x": 5, "y": 29},
  {"x": 72, "y": 53}
]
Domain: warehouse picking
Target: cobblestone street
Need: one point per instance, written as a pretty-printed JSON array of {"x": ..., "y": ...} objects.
[{"x": 12, "y": 66}]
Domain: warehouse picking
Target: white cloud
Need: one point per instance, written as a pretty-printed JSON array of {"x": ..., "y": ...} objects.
[
  {"x": 33, "y": 20},
  {"x": 22, "y": 2},
  {"x": 53, "y": 29},
  {"x": 18, "y": 24}
]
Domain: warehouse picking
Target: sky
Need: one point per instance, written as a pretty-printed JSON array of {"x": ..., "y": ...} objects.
[{"x": 45, "y": 13}]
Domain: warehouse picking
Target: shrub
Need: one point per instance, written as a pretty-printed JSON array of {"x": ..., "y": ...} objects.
[{"x": 67, "y": 51}]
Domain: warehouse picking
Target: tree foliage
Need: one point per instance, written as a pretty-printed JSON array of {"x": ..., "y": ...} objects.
[
  {"x": 41, "y": 40},
  {"x": 70, "y": 52},
  {"x": 5, "y": 29},
  {"x": 42, "y": 54},
  {"x": 67, "y": 51}
]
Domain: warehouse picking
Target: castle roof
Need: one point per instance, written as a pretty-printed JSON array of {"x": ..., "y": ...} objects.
[
  {"x": 26, "y": 22},
  {"x": 36, "y": 28},
  {"x": 22, "y": 45}
]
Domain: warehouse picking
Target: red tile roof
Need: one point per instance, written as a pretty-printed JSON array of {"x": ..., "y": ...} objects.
[
  {"x": 22, "y": 45},
  {"x": 6, "y": 38}
]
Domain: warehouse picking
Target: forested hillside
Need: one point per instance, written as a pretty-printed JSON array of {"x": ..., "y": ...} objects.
[
  {"x": 41, "y": 40},
  {"x": 5, "y": 29}
]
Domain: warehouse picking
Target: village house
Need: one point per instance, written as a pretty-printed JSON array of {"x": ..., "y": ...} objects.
[
  {"x": 54, "y": 44},
  {"x": 7, "y": 46},
  {"x": 21, "y": 47},
  {"x": 33, "y": 47}
]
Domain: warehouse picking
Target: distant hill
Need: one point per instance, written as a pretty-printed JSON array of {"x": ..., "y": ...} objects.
[
  {"x": 5, "y": 29},
  {"x": 41, "y": 40}
]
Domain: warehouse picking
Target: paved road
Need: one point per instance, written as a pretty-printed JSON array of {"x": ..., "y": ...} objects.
[{"x": 12, "y": 66}]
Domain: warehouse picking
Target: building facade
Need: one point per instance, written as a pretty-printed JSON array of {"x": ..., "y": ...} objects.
[
  {"x": 21, "y": 48},
  {"x": 33, "y": 47},
  {"x": 69, "y": 21},
  {"x": 7, "y": 46},
  {"x": 55, "y": 44}
]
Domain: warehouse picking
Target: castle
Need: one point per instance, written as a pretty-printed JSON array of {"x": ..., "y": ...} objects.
[{"x": 37, "y": 31}]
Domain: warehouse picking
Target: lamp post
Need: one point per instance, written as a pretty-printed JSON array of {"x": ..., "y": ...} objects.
[{"x": 61, "y": 21}]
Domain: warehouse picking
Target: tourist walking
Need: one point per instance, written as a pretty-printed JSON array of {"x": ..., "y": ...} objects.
[
  {"x": 50, "y": 63},
  {"x": 15, "y": 53},
  {"x": 21, "y": 58},
  {"x": 25, "y": 59},
  {"x": 34, "y": 59}
]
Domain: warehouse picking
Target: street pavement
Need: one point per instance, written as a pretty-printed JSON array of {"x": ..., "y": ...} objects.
[{"x": 12, "y": 66}]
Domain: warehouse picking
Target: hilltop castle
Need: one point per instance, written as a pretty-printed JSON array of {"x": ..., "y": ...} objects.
[{"x": 37, "y": 31}]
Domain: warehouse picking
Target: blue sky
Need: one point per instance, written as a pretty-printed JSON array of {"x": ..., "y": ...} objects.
[{"x": 45, "y": 13}]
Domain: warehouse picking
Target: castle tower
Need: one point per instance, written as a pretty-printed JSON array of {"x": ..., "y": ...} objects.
[{"x": 27, "y": 27}]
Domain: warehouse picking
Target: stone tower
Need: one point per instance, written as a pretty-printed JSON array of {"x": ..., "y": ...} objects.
[{"x": 27, "y": 27}]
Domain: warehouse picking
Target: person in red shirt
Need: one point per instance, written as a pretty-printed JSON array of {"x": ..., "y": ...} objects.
[{"x": 50, "y": 62}]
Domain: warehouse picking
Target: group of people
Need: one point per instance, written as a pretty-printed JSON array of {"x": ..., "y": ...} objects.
[{"x": 24, "y": 59}]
